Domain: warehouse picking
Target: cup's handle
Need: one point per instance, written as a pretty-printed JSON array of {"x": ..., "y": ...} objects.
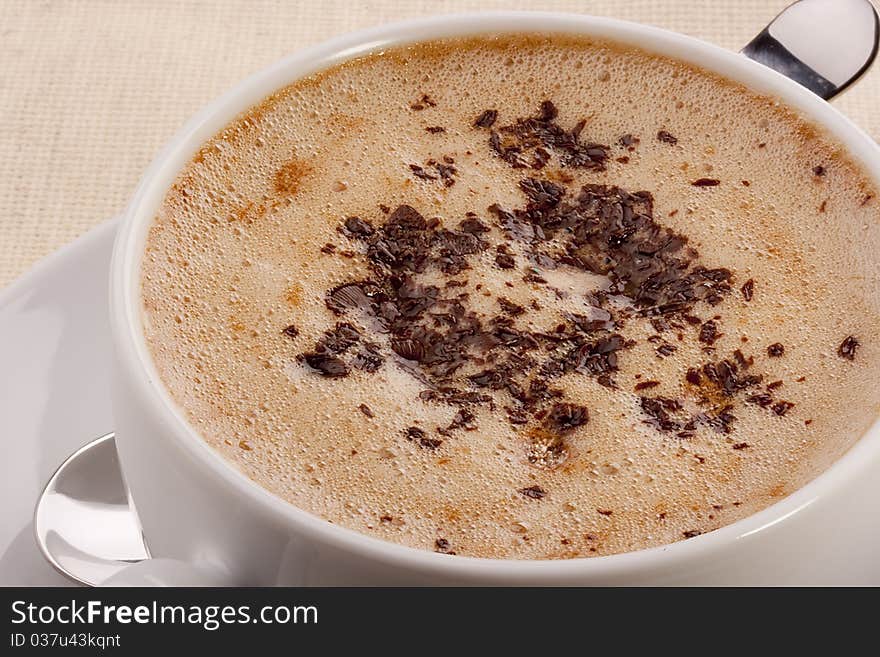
[
  {"x": 824, "y": 45},
  {"x": 168, "y": 572}
]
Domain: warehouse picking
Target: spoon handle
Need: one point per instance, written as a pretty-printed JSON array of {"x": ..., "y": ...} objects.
[{"x": 824, "y": 45}]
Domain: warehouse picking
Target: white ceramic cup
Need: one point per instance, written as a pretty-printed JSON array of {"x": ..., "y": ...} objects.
[{"x": 211, "y": 524}]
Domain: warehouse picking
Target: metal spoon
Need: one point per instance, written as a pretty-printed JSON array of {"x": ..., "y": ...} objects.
[
  {"x": 824, "y": 45},
  {"x": 84, "y": 522}
]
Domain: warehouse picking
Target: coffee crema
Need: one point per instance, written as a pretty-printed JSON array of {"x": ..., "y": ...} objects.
[{"x": 520, "y": 297}]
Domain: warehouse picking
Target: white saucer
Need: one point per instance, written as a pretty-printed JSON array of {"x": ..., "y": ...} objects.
[{"x": 54, "y": 385}]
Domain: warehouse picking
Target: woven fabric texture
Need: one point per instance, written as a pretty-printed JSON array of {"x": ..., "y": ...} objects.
[{"x": 91, "y": 89}]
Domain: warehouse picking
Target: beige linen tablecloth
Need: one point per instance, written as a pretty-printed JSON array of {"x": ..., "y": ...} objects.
[{"x": 91, "y": 89}]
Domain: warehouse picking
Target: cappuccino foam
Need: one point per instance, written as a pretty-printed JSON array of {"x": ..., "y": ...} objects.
[{"x": 411, "y": 295}]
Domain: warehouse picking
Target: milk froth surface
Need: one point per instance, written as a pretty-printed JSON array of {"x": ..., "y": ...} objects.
[{"x": 478, "y": 364}]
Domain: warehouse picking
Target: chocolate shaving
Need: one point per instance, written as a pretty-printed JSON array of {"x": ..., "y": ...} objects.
[
  {"x": 505, "y": 261},
  {"x": 709, "y": 332},
  {"x": 442, "y": 545},
  {"x": 419, "y": 172},
  {"x": 748, "y": 289},
  {"x": 541, "y": 158},
  {"x": 338, "y": 340},
  {"x": 422, "y": 103},
  {"x": 741, "y": 360},
  {"x": 666, "y": 349},
  {"x": 510, "y": 308},
  {"x": 781, "y": 407},
  {"x": 444, "y": 171},
  {"x": 727, "y": 377},
  {"x": 332, "y": 367},
  {"x": 347, "y": 297},
  {"x": 418, "y": 436},
  {"x": 486, "y": 119},
  {"x": 663, "y": 413},
  {"x": 775, "y": 350},
  {"x": 629, "y": 141},
  {"x": 565, "y": 418},
  {"x": 368, "y": 359},
  {"x": 473, "y": 225},
  {"x": 542, "y": 194},
  {"x": 533, "y": 492},
  {"x": 666, "y": 138},
  {"x": 706, "y": 182},
  {"x": 357, "y": 227},
  {"x": 762, "y": 399},
  {"x": 463, "y": 419},
  {"x": 408, "y": 348},
  {"x": 848, "y": 347}
]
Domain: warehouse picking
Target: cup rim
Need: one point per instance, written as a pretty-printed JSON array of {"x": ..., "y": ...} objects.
[{"x": 134, "y": 362}]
